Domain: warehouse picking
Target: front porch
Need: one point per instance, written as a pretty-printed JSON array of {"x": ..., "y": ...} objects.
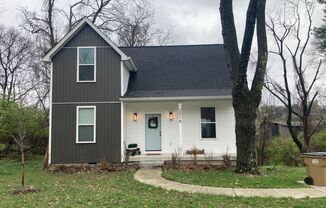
[{"x": 177, "y": 126}]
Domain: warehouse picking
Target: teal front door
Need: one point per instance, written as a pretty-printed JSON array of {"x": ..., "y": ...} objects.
[{"x": 153, "y": 132}]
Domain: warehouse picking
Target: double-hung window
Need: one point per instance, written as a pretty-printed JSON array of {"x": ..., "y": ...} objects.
[
  {"x": 86, "y": 69},
  {"x": 86, "y": 124},
  {"x": 208, "y": 122}
]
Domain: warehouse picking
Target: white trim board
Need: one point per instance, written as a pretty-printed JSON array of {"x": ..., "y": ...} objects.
[
  {"x": 50, "y": 116},
  {"x": 176, "y": 98},
  {"x": 86, "y": 103}
]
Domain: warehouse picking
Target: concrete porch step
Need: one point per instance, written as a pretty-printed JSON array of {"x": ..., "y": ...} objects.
[{"x": 151, "y": 164}]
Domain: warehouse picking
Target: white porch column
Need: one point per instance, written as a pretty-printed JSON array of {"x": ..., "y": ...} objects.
[{"x": 180, "y": 124}]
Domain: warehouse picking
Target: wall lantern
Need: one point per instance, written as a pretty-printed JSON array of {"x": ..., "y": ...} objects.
[
  {"x": 135, "y": 117},
  {"x": 171, "y": 116}
]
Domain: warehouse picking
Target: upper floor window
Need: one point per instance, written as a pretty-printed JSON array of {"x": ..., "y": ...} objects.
[
  {"x": 208, "y": 122},
  {"x": 86, "y": 69}
]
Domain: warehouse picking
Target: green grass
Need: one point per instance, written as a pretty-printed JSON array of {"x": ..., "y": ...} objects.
[
  {"x": 281, "y": 177},
  {"x": 113, "y": 190}
]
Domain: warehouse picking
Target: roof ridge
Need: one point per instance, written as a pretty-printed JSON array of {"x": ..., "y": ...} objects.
[{"x": 179, "y": 45}]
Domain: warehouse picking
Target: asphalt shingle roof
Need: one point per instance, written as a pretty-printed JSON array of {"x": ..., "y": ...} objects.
[{"x": 172, "y": 71}]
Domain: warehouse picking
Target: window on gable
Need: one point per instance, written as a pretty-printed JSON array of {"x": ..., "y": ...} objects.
[
  {"x": 86, "y": 64},
  {"x": 208, "y": 122},
  {"x": 86, "y": 121}
]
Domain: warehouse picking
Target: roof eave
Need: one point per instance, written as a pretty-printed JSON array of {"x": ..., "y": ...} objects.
[{"x": 129, "y": 64}]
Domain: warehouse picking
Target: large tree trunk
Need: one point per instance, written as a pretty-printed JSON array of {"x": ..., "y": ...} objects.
[
  {"x": 245, "y": 128},
  {"x": 245, "y": 101}
]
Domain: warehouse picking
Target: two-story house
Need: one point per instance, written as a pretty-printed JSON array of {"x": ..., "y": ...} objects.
[{"x": 163, "y": 98}]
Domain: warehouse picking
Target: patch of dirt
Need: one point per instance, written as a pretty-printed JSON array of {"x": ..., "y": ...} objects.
[{"x": 25, "y": 190}]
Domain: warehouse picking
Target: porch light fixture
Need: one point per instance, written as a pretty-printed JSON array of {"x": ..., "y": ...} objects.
[
  {"x": 171, "y": 116},
  {"x": 135, "y": 117}
]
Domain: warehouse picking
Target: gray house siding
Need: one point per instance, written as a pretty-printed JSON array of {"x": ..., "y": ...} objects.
[
  {"x": 108, "y": 143},
  {"x": 104, "y": 94},
  {"x": 86, "y": 37},
  {"x": 108, "y": 83}
]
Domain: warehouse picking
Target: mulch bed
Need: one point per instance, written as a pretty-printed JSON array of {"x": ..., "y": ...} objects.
[
  {"x": 25, "y": 190},
  {"x": 103, "y": 167}
]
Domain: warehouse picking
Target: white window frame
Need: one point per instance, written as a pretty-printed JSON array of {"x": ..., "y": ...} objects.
[
  {"x": 92, "y": 47},
  {"x": 209, "y": 122},
  {"x": 77, "y": 124}
]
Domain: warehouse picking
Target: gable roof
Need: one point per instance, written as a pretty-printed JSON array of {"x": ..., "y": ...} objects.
[
  {"x": 75, "y": 30},
  {"x": 178, "y": 71}
]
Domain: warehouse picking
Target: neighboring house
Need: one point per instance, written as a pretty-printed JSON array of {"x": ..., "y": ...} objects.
[
  {"x": 280, "y": 128},
  {"x": 163, "y": 98}
]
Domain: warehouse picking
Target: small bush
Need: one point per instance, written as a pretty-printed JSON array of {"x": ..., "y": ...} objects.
[
  {"x": 226, "y": 158},
  {"x": 105, "y": 166},
  {"x": 176, "y": 158},
  {"x": 318, "y": 142},
  {"x": 283, "y": 151},
  {"x": 194, "y": 152}
]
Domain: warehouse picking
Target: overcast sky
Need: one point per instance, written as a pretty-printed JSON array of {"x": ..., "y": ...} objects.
[{"x": 195, "y": 21}]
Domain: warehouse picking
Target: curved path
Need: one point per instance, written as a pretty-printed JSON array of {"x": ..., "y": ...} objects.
[{"x": 154, "y": 177}]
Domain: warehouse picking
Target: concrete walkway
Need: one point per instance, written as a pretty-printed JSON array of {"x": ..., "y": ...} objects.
[{"x": 154, "y": 177}]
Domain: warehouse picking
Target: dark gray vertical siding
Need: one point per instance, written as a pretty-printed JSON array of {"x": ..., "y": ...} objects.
[
  {"x": 86, "y": 37},
  {"x": 64, "y": 148},
  {"x": 108, "y": 143},
  {"x": 106, "y": 88}
]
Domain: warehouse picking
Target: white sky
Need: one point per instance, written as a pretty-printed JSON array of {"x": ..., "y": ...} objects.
[{"x": 195, "y": 21}]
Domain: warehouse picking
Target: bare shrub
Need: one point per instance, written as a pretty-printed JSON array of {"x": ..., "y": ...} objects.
[
  {"x": 105, "y": 166},
  {"x": 176, "y": 158},
  {"x": 227, "y": 158},
  {"x": 194, "y": 152}
]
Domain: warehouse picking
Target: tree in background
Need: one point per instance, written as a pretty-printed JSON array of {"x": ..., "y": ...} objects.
[
  {"x": 136, "y": 25},
  {"x": 292, "y": 39},
  {"x": 15, "y": 55},
  {"x": 245, "y": 100},
  {"x": 20, "y": 123},
  {"x": 265, "y": 115},
  {"x": 320, "y": 36}
]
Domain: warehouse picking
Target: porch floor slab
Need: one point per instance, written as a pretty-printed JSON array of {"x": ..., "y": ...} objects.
[{"x": 153, "y": 176}]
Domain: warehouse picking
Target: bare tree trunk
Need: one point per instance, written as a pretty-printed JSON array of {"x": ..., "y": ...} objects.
[
  {"x": 245, "y": 129},
  {"x": 282, "y": 31},
  {"x": 23, "y": 166},
  {"x": 245, "y": 101}
]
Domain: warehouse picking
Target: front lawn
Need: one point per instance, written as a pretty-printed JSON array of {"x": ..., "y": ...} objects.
[
  {"x": 280, "y": 177},
  {"x": 113, "y": 190}
]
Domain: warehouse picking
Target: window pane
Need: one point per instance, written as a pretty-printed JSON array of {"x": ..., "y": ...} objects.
[
  {"x": 208, "y": 114},
  {"x": 86, "y": 116},
  {"x": 208, "y": 130},
  {"x": 86, "y": 73},
  {"x": 86, "y": 56},
  {"x": 86, "y": 133}
]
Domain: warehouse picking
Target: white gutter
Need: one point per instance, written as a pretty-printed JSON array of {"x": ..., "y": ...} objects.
[
  {"x": 129, "y": 64},
  {"x": 177, "y": 98}
]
